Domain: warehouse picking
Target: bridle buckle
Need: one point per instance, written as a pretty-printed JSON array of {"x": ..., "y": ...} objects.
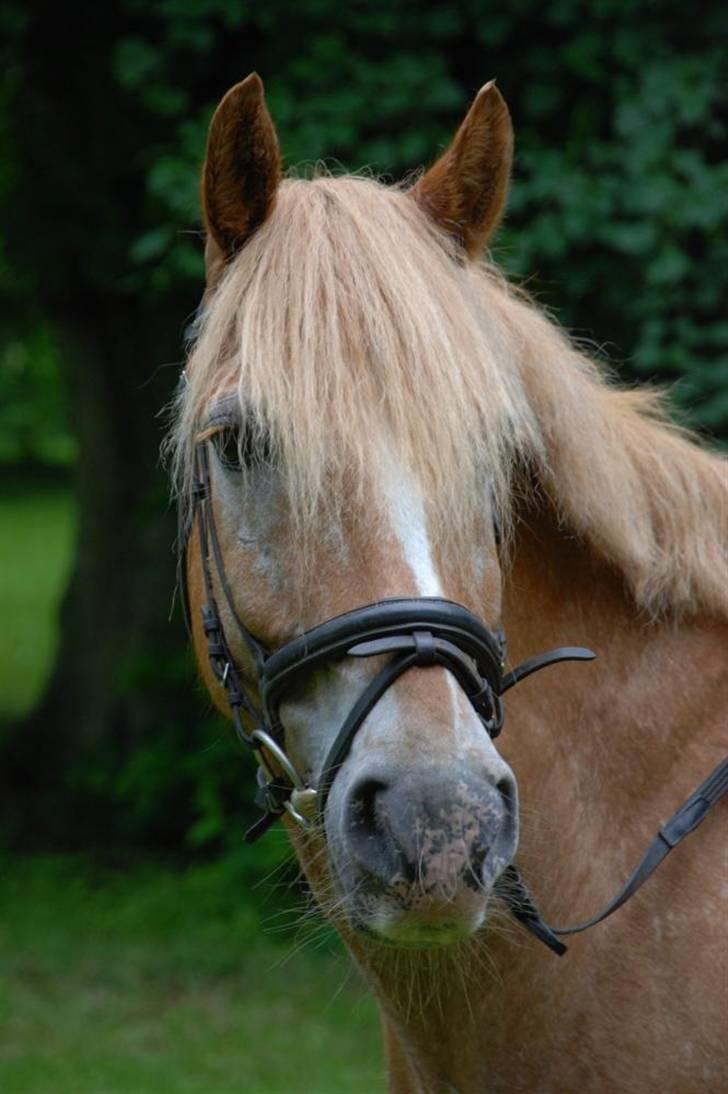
[{"x": 303, "y": 806}]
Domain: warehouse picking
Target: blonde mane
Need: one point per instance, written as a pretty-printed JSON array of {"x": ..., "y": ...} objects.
[{"x": 352, "y": 330}]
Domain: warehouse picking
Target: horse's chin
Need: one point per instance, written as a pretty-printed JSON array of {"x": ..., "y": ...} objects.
[{"x": 420, "y": 925}]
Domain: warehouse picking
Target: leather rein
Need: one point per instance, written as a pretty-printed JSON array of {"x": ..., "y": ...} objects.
[{"x": 413, "y": 633}]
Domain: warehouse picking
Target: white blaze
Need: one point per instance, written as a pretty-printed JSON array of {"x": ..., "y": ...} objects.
[{"x": 405, "y": 508}]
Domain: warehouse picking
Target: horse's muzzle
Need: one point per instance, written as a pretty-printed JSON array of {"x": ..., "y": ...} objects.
[{"x": 417, "y": 852}]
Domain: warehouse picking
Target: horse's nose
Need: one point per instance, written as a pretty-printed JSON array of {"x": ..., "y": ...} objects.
[{"x": 431, "y": 826}]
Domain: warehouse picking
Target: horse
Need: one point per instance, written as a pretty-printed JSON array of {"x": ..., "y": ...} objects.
[{"x": 389, "y": 462}]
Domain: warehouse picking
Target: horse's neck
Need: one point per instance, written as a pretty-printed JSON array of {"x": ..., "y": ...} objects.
[{"x": 603, "y": 753}]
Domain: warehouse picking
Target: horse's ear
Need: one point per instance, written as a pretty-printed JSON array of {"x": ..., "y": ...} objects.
[
  {"x": 465, "y": 191},
  {"x": 242, "y": 167}
]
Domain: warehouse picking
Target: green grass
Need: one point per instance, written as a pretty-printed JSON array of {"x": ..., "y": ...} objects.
[
  {"x": 37, "y": 528},
  {"x": 161, "y": 982}
]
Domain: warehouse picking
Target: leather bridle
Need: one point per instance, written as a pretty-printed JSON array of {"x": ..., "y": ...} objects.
[{"x": 412, "y": 633}]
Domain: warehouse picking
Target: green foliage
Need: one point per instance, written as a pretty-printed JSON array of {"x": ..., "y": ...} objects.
[
  {"x": 626, "y": 211},
  {"x": 33, "y": 419},
  {"x": 37, "y": 531}
]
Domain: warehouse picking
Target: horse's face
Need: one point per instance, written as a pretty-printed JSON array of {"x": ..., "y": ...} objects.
[{"x": 422, "y": 816}]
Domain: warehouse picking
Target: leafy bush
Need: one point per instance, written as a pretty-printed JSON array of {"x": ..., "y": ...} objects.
[{"x": 33, "y": 420}]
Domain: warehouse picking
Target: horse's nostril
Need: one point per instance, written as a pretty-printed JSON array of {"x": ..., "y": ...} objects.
[
  {"x": 507, "y": 789},
  {"x": 370, "y": 838},
  {"x": 364, "y": 802}
]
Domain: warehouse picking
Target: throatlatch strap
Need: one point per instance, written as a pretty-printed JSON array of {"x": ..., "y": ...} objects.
[
  {"x": 542, "y": 661},
  {"x": 691, "y": 813}
]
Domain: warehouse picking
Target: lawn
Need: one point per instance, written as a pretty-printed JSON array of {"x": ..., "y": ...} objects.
[
  {"x": 37, "y": 529},
  {"x": 155, "y": 981}
]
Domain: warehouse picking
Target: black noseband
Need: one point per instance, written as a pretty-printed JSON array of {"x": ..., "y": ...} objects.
[
  {"x": 414, "y": 633},
  {"x": 420, "y": 632}
]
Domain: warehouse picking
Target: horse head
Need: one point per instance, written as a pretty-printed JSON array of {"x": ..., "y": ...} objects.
[{"x": 343, "y": 467}]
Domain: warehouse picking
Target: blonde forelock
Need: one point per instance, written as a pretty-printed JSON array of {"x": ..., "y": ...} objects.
[{"x": 353, "y": 333}]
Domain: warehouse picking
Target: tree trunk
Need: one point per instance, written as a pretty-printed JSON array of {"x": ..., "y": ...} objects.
[
  {"x": 77, "y": 144},
  {"x": 118, "y": 648}
]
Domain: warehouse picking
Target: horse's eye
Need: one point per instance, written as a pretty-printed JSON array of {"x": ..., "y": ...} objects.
[{"x": 238, "y": 449}]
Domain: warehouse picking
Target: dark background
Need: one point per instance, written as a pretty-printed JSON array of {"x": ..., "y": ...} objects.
[{"x": 616, "y": 222}]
